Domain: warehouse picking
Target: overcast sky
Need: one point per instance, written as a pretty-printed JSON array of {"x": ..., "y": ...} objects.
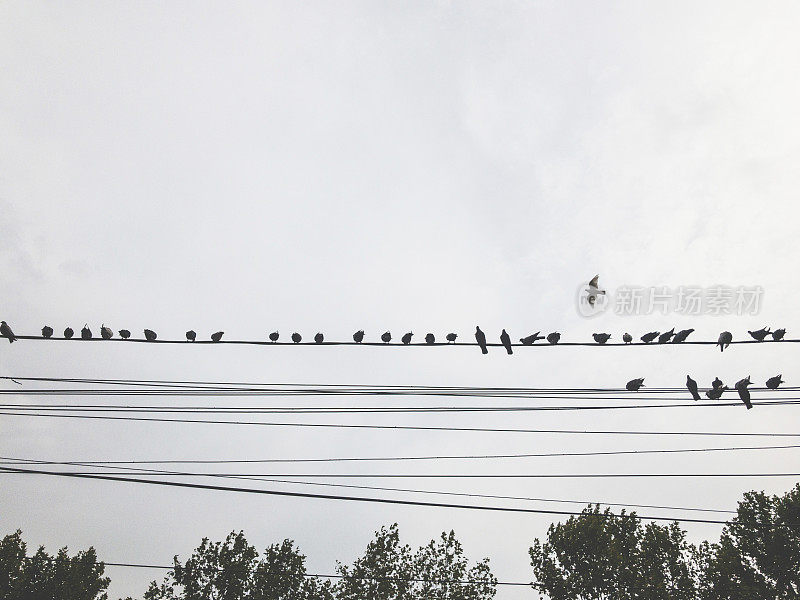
[{"x": 423, "y": 166}]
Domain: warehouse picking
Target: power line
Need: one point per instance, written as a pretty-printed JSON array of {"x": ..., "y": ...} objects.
[{"x": 449, "y": 475}]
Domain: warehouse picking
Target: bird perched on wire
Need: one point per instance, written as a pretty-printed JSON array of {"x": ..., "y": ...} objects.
[
  {"x": 124, "y": 334},
  {"x": 649, "y": 337},
  {"x": 296, "y": 337},
  {"x": 601, "y": 338},
  {"x": 717, "y": 383},
  {"x": 68, "y": 333},
  {"x": 744, "y": 393},
  {"x": 47, "y": 331},
  {"x": 725, "y": 339},
  {"x": 430, "y": 339},
  {"x": 778, "y": 334},
  {"x": 760, "y": 334},
  {"x": 505, "y": 339},
  {"x": 691, "y": 385},
  {"x": 666, "y": 336},
  {"x": 715, "y": 393},
  {"x": 634, "y": 384},
  {"x": 406, "y": 339},
  {"x": 531, "y": 339},
  {"x": 594, "y": 291},
  {"x": 319, "y": 338},
  {"x": 627, "y": 337},
  {"x": 150, "y": 335},
  {"x": 6, "y": 332},
  {"x": 480, "y": 337},
  {"x": 191, "y": 335},
  {"x": 386, "y": 337},
  {"x": 86, "y": 333},
  {"x": 106, "y": 333},
  {"x": 358, "y": 336},
  {"x": 681, "y": 336},
  {"x": 273, "y": 337},
  {"x": 774, "y": 382},
  {"x": 451, "y": 338},
  {"x": 217, "y": 336},
  {"x": 554, "y": 337}
]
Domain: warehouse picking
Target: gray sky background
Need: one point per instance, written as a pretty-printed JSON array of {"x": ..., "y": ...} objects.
[{"x": 421, "y": 166}]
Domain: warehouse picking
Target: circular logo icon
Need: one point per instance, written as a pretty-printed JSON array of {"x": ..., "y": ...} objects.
[{"x": 591, "y": 301}]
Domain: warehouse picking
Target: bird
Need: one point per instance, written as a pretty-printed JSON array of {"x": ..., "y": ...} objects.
[
  {"x": 480, "y": 337},
  {"x": 774, "y": 382},
  {"x": 273, "y": 337},
  {"x": 150, "y": 335},
  {"x": 554, "y": 337},
  {"x": 215, "y": 337},
  {"x": 531, "y": 339},
  {"x": 744, "y": 393},
  {"x": 68, "y": 333},
  {"x": 681, "y": 336},
  {"x": 296, "y": 337},
  {"x": 358, "y": 336},
  {"x": 319, "y": 338},
  {"x": 430, "y": 339},
  {"x": 725, "y": 339},
  {"x": 6, "y": 332},
  {"x": 778, "y": 334},
  {"x": 760, "y": 334},
  {"x": 386, "y": 337},
  {"x": 649, "y": 337},
  {"x": 634, "y": 384},
  {"x": 716, "y": 393},
  {"x": 627, "y": 337},
  {"x": 191, "y": 335},
  {"x": 125, "y": 334},
  {"x": 86, "y": 333},
  {"x": 406, "y": 339},
  {"x": 106, "y": 333},
  {"x": 451, "y": 337},
  {"x": 717, "y": 383},
  {"x": 505, "y": 339},
  {"x": 47, "y": 331},
  {"x": 594, "y": 290},
  {"x": 691, "y": 385},
  {"x": 601, "y": 338},
  {"x": 665, "y": 337}
]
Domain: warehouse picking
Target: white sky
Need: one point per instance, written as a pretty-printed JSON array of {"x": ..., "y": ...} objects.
[{"x": 405, "y": 166}]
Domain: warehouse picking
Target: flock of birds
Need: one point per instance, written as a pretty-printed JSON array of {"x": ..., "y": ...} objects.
[{"x": 716, "y": 389}]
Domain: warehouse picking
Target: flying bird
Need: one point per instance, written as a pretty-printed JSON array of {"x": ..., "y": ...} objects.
[
  {"x": 634, "y": 384},
  {"x": 125, "y": 334},
  {"x": 760, "y": 334},
  {"x": 215, "y": 337},
  {"x": 774, "y": 382},
  {"x": 191, "y": 335},
  {"x": 86, "y": 333},
  {"x": 106, "y": 333},
  {"x": 386, "y": 337},
  {"x": 778, "y": 334},
  {"x": 319, "y": 338},
  {"x": 68, "y": 333},
  {"x": 725, "y": 339},
  {"x": 480, "y": 337},
  {"x": 744, "y": 393},
  {"x": 531, "y": 339},
  {"x": 649, "y": 337},
  {"x": 6, "y": 332},
  {"x": 451, "y": 337},
  {"x": 594, "y": 290},
  {"x": 505, "y": 339},
  {"x": 666, "y": 336},
  {"x": 691, "y": 385},
  {"x": 681, "y": 336},
  {"x": 358, "y": 336},
  {"x": 406, "y": 339},
  {"x": 601, "y": 338},
  {"x": 554, "y": 337},
  {"x": 430, "y": 339},
  {"x": 273, "y": 337},
  {"x": 47, "y": 331},
  {"x": 150, "y": 335},
  {"x": 627, "y": 338},
  {"x": 296, "y": 337}
]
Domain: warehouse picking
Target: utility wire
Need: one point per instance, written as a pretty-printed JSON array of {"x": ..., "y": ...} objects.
[{"x": 443, "y": 475}]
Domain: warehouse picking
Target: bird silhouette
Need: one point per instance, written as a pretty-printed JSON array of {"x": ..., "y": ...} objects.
[
  {"x": 649, "y": 337},
  {"x": 68, "y": 333},
  {"x": 191, "y": 335},
  {"x": 106, "y": 333},
  {"x": 744, "y": 393},
  {"x": 86, "y": 333},
  {"x": 593, "y": 290},
  {"x": 634, "y": 384},
  {"x": 319, "y": 338},
  {"x": 760, "y": 334},
  {"x": 774, "y": 382},
  {"x": 47, "y": 331},
  {"x": 386, "y": 337},
  {"x": 273, "y": 337},
  {"x": 217, "y": 336},
  {"x": 480, "y": 337},
  {"x": 725, "y": 339},
  {"x": 601, "y": 338},
  {"x": 451, "y": 337},
  {"x": 717, "y": 383},
  {"x": 627, "y": 338},
  {"x": 296, "y": 337},
  {"x": 150, "y": 335},
  {"x": 358, "y": 336},
  {"x": 430, "y": 339},
  {"x": 554, "y": 337},
  {"x": 681, "y": 336},
  {"x": 716, "y": 393},
  {"x": 6, "y": 332},
  {"x": 691, "y": 385},
  {"x": 505, "y": 339},
  {"x": 406, "y": 339},
  {"x": 531, "y": 339},
  {"x": 778, "y": 334},
  {"x": 665, "y": 337},
  {"x": 124, "y": 334}
]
